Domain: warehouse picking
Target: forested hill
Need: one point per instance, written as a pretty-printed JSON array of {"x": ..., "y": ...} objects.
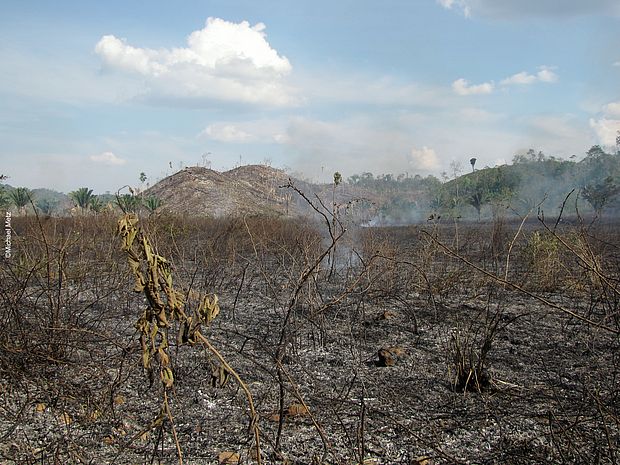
[{"x": 532, "y": 180}]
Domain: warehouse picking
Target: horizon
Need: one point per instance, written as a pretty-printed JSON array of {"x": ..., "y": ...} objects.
[{"x": 95, "y": 94}]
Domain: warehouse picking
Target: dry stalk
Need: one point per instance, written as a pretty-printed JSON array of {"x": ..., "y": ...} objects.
[
  {"x": 153, "y": 275},
  {"x": 521, "y": 289}
]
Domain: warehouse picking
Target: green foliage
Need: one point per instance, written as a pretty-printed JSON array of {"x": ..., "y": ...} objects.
[
  {"x": 82, "y": 197},
  {"x": 96, "y": 204},
  {"x": 534, "y": 179},
  {"x": 600, "y": 194},
  {"x": 337, "y": 178},
  {"x": 20, "y": 197},
  {"x": 4, "y": 198},
  {"x": 128, "y": 203},
  {"x": 152, "y": 203},
  {"x": 47, "y": 206}
]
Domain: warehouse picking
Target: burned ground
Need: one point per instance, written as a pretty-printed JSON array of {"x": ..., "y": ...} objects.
[{"x": 502, "y": 344}]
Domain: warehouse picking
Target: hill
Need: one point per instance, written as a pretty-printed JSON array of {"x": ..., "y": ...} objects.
[{"x": 251, "y": 189}]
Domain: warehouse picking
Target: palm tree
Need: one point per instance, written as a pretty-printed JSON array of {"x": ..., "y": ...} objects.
[
  {"x": 152, "y": 203},
  {"x": 128, "y": 203},
  {"x": 95, "y": 204},
  {"x": 472, "y": 161},
  {"x": 4, "y": 200},
  {"x": 82, "y": 197},
  {"x": 20, "y": 197}
]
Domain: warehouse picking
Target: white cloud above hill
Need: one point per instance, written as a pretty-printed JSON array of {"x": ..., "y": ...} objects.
[
  {"x": 108, "y": 158},
  {"x": 223, "y": 61}
]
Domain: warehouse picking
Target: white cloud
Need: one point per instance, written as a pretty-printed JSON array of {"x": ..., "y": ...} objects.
[
  {"x": 607, "y": 125},
  {"x": 223, "y": 61},
  {"x": 462, "y": 87},
  {"x": 612, "y": 109},
  {"x": 108, "y": 158},
  {"x": 616, "y": 63},
  {"x": 460, "y": 4},
  {"x": 545, "y": 74},
  {"x": 424, "y": 159},
  {"x": 520, "y": 78},
  {"x": 606, "y": 130}
]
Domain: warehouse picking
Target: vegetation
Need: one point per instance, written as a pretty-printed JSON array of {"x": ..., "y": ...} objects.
[
  {"x": 82, "y": 198},
  {"x": 152, "y": 204},
  {"x": 114, "y": 348},
  {"x": 533, "y": 180},
  {"x": 20, "y": 197}
]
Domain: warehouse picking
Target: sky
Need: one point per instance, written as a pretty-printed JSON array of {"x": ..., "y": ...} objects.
[{"x": 94, "y": 93}]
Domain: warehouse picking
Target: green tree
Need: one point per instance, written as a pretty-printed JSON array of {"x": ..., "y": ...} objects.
[
  {"x": 20, "y": 197},
  {"x": 96, "y": 204},
  {"x": 600, "y": 194},
  {"x": 82, "y": 197},
  {"x": 47, "y": 206}
]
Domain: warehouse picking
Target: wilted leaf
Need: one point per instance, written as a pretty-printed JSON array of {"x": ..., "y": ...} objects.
[
  {"x": 40, "y": 407},
  {"x": 167, "y": 377},
  {"x": 228, "y": 458},
  {"x": 297, "y": 410},
  {"x": 210, "y": 308}
]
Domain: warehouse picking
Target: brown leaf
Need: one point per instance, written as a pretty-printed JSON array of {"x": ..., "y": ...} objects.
[
  {"x": 297, "y": 410},
  {"x": 228, "y": 458}
]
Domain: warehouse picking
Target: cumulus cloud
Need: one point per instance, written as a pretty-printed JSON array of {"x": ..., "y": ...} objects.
[
  {"x": 607, "y": 126},
  {"x": 424, "y": 159},
  {"x": 223, "y": 61},
  {"x": 544, "y": 74},
  {"x": 508, "y": 9},
  {"x": 606, "y": 130},
  {"x": 108, "y": 158},
  {"x": 462, "y": 87}
]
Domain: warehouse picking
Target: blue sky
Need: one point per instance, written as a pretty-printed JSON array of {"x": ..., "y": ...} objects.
[{"x": 93, "y": 93}]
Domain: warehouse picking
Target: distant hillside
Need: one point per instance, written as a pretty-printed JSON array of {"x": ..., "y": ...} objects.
[{"x": 249, "y": 189}]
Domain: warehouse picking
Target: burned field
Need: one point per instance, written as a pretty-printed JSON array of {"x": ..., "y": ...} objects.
[{"x": 439, "y": 343}]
